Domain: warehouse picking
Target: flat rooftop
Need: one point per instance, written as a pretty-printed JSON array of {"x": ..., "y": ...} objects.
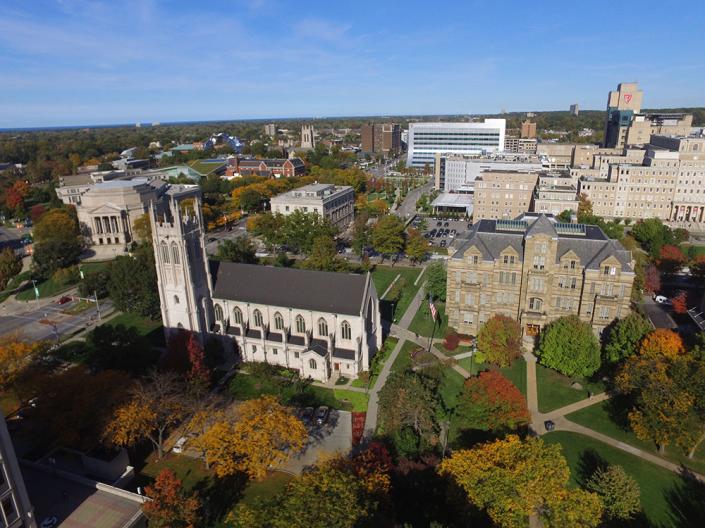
[
  {"x": 77, "y": 505},
  {"x": 453, "y": 200}
]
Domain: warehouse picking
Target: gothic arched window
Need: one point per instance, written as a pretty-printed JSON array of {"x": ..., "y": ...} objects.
[
  {"x": 322, "y": 327},
  {"x": 164, "y": 250},
  {"x": 218, "y": 312},
  {"x": 237, "y": 315},
  {"x": 278, "y": 321},
  {"x": 257, "y": 317},
  {"x": 345, "y": 330},
  {"x": 300, "y": 324},
  {"x": 312, "y": 364},
  {"x": 175, "y": 253}
]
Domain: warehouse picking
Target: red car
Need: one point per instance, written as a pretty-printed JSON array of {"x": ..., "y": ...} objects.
[{"x": 64, "y": 300}]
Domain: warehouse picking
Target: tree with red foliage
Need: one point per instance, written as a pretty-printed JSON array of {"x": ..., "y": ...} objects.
[
  {"x": 13, "y": 199},
  {"x": 490, "y": 402},
  {"x": 199, "y": 376},
  {"x": 170, "y": 506},
  {"x": 652, "y": 279},
  {"x": 671, "y": 259},
  {"x": 680, "y": 303},
  {"x": 451, "y": 341},
  {"x": 176, "y": 358},
  {"x": 697, "y": 267},
  {"x": 36, "y": 212}
]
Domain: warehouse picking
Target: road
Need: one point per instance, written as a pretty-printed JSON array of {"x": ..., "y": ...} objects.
[
  {"x": 215, "y": 237},
  {"x": 10, "y": 237},
  {"x": 657, "y": 313},
  {"x": 408, "y": 206},
  {"x": 47, "y": 320}
]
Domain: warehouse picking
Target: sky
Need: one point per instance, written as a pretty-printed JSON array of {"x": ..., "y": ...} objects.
[{"x": 80, "y": 62}]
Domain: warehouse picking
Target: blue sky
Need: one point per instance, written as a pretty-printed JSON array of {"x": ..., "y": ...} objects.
[{"x": 68, "y": 62}]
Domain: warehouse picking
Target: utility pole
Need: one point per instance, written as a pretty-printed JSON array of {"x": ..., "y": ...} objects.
[{"x": 97, "y": 305}]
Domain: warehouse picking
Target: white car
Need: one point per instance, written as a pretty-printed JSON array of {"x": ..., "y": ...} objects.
[
  {"x": 661, "y": 299},
  {"x": 179, "y": 445}
]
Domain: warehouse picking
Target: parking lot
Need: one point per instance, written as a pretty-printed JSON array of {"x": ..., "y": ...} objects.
[
  {"x": 442, "y": 232},
  {"x": 335, "y": 435}
]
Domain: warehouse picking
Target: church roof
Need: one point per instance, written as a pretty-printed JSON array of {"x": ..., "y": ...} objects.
[{"x": 322, "y": 291}]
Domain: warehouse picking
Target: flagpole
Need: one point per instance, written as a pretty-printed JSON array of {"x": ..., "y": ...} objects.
[{"x": 433, "y": 330}]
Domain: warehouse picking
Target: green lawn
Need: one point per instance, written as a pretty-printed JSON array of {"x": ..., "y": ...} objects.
[
  {"x": 292, "y": 391},
  {"x": 149, "y": 328},
  {"x": 598, "y": 417},
  {"x": 409, "y": 275},
  {"x": 382, "y": 276},
  {"x": 378, "y": 362},
  {"x": 14, "y": 282},
  {"x": 190, "y": 471},
  {"x": 655, "y": 483},
  {"x": 423, "y": 325},
  {"x": 403, "y": 360},
  {"x": 554, "y": 390},
  {"x": 460, "y": 350},
  {"x": 204, "y": 167},
  {"x": 50, "y": 288},
  {"x": 266, "y": 488},
  {"x": 516, "y": 373}
]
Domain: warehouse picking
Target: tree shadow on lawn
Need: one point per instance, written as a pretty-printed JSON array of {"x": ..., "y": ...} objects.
[
  {"x": 687, "y": 502},
  {"x": 219, "y": 496}
]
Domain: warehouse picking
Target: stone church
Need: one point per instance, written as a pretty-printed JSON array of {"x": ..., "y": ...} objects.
[{"x": 322, "y": 324}]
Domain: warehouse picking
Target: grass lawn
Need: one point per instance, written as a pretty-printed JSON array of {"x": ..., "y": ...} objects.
[
  {"x": 190, "y": 471},
  {"x": 146, "y": 327},
  {"x": 50, "y": 287},
  {"x": 554, "y": 390},
  {"x": 245, "y": 386},
  {"x": 461, "y": 349},
  {"x": 14, "y": 282},
  {"x": 598, "y": 417},
  {"x": 409, "y": 275},
  {"x": 204, "y": 167},
  {"x": 654, "y": 482},
  {"x": 378, "y": 362},
  {"x": 403, "y": 360},
  {"x": 516, "y": 373},
  {"x": 264, "y": 489},
  {"x": 423, "y": 325},
  {"x": 382, "y": 276}
]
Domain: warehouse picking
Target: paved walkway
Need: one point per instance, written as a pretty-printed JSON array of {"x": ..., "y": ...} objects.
[
  {"x": 563, "y": 424},
  {"x": 372, "y": 404},
  {"x": 390, "y": 286},
  {"x": 564, "y": 411},
  {"x": 414, "y": 306}
]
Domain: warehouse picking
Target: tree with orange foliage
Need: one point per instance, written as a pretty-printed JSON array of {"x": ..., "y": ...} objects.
[
  {"x": 490, "y": 402},
  {"x": 671, "y": 259},
  {"x": 15, "y": 356},
  {"x": 680, "y": 303},
  {"x": 199, "y": 375},
  {"x": 264, "y": 434},
  {"x": 170, "y": 506},
  {"x": 499, "y": 340},
  {"x": 661, "y": 342}
]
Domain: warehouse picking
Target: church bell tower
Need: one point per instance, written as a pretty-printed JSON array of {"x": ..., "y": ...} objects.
[{"x": 183, "y": 276}]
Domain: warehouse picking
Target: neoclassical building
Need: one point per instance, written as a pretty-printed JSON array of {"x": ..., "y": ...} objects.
[{"x": 322, "y": 324}]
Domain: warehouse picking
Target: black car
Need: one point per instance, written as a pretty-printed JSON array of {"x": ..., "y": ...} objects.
[
  {"x": 443, "y": 243},
  {"x": 307, "y": 416},
  {"x": 439, "y": 224},
  {"x": 439, "y": 234},
  {"x": 432, "y": 232},
  {"x": 322, "y": 414},
  {"x": 445, "y": 225},
  {"x": 549, "y": 425}
]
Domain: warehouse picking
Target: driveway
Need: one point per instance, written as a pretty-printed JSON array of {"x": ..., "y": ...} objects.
[
  {"x": 333, "y": 437},
  {"x": 657, "y": 314}
]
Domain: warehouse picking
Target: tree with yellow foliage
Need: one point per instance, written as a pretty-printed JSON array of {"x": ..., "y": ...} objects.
[
  {"x": 15, "y": 356},
  {"x": 155, "y": 406},
  {"x": 263, "y": 434},
  {"x": 513, "y": 480}
]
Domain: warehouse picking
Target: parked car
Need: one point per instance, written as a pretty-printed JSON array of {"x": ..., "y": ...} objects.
[
  {"x": 549, "y": 425},
  {"x": 63, "y": 300},
  {"x": 443, "y": 243},
  {"x": 433, "y": 232},
  {"x": 445, "y": 224},
  {"x": 179, "y": 445},
  {"x": 661, "y": 299},
  {"x": 322, "y": 414},
  {"x": 439, "y": 224},
  {"x": 439, "y": 234}
]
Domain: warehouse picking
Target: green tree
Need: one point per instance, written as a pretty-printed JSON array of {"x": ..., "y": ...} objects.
[
  {"x": 133, "y": 283},
  {"x": 361, "y": 233},
  {"x": 267, "y": 226},
  {"x": 409, "y": 402},
  {"x": 10, "y": 266},
  {"x": 436, "y": 281},
  {"x": 619, "y": 492},
  {"x": 300, "y": 229},
  {"x": 239, "y": 250},
  {"x": 324, "y": 257},
  {"x": 623, "y": 337},
  {"x": 499, "y": 340},
  {"x": 55, "y": 254},
  {"x": 388, "y": 235},
  {"x": 565, "y": 216},
  {"x": 415, "y": 245},
  {"x": 569, "y": 346},
  {"x": 251, "y": 200},
  {"x": 652, "y": 234}
]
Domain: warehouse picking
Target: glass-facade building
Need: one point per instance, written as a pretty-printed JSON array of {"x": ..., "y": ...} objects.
[{"x": 427, "y": 139}]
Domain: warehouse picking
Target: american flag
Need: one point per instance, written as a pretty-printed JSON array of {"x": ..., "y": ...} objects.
[{"x": 431, "y": 307}]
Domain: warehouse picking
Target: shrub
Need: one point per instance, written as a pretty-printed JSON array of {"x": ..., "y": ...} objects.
[{"x": 451, "y": 341}]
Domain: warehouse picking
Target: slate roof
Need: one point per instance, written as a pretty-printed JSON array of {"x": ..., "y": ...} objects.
[
  {"x": 322, "y": 291},
  {"x": 591, "y": 249}
]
